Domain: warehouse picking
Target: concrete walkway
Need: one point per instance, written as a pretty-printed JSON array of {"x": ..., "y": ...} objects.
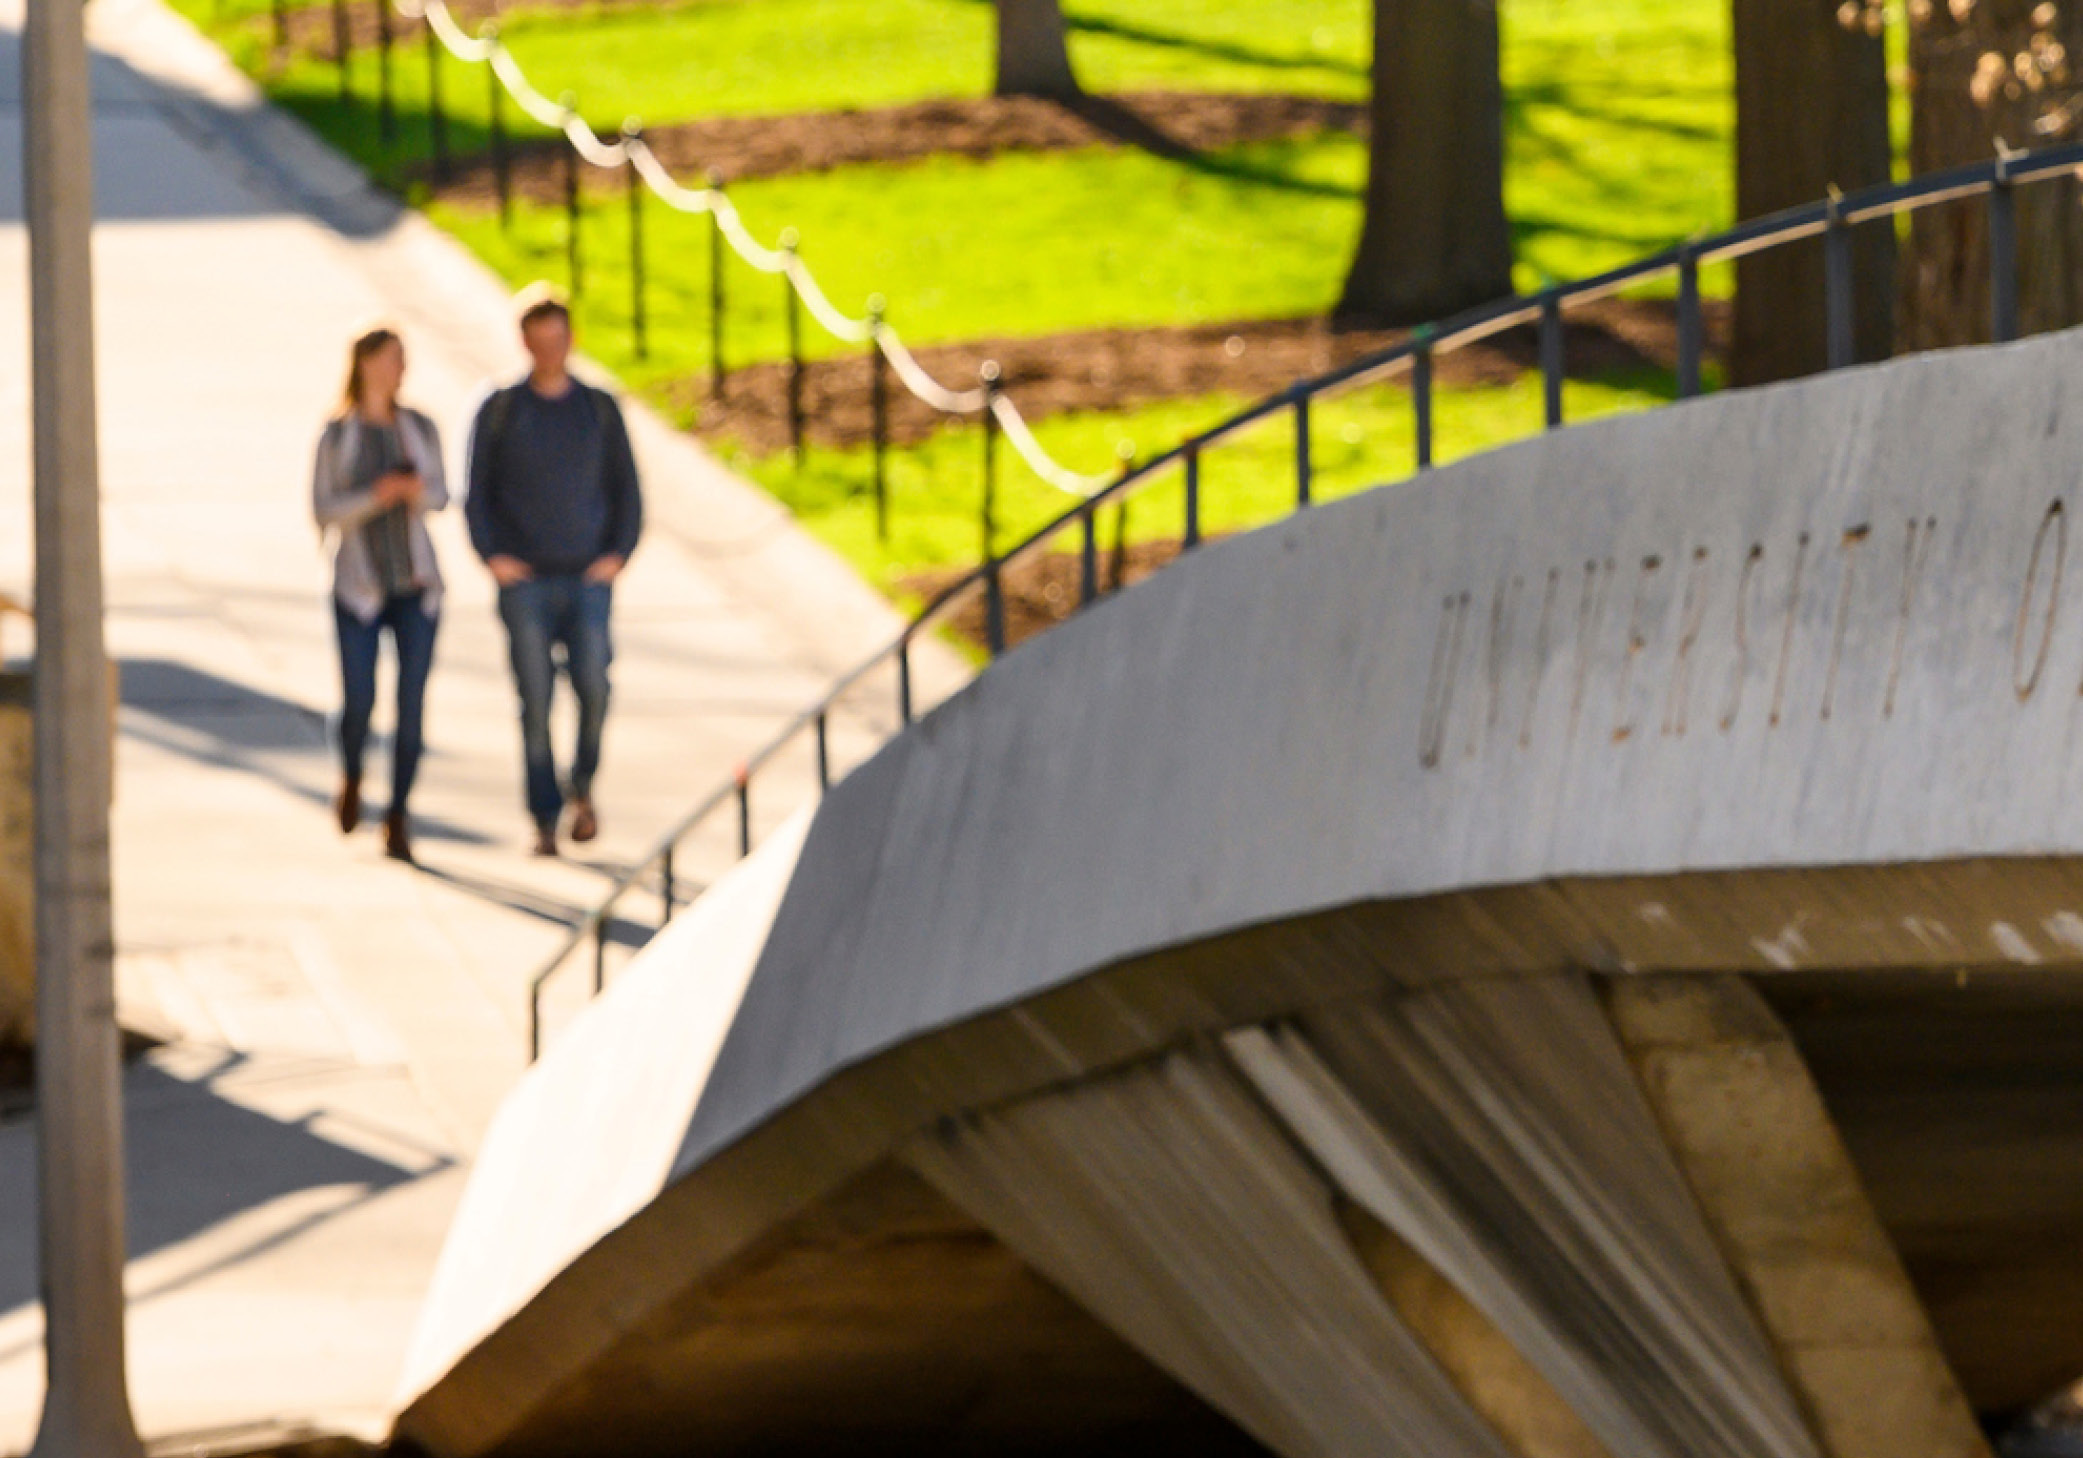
[{"x": 337, "y": 1028}]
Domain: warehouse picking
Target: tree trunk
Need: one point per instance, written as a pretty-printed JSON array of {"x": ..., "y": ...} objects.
[
  {"x": 1957, "y": 119},
  {"x": 1033, "y": 59},
  {"x": 1811, "y": 114},
  {"x": 1434, "y": 240}
]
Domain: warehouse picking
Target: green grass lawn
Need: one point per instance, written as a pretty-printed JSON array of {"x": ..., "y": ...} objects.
[
  {"x": 1357, "y": 440},
  {"x": 673, "y": 61},
  {"x": 1618, "y": 129}
]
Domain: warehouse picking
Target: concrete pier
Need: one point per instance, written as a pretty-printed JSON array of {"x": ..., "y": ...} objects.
[{"x": 1569, "y": 955}]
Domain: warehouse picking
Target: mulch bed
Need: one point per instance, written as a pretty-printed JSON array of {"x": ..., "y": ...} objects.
[
  {"x": 1178, "y": 124},
  {"x": 1120, "y": 369}
]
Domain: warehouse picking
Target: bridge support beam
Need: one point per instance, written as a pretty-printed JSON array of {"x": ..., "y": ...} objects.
[
  {"x": 1782, "y": 1198},
  {"x": 1169, "y": 1202}
]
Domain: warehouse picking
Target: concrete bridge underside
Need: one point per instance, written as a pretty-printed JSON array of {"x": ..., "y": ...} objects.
[{"x": 1579, "y": 955}]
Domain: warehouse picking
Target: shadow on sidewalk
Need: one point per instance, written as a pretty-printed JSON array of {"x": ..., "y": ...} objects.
[
  {"x": 195, "y": 1159},
  {"x": 622, "y": 931},
  {"x": 206, "y": 162},
  {"x": 228, "y": 725}
]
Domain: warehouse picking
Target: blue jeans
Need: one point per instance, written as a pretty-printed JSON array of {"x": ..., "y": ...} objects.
[
  {"x": 542, "y": 615},
  {"x": 412, "y": 638}
]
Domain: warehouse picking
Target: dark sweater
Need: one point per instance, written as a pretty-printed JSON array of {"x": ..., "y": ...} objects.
[{"x": 552, "y": 482}]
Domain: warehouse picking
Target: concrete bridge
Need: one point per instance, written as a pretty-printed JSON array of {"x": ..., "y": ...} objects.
[{"x": 1577, "y": 954}]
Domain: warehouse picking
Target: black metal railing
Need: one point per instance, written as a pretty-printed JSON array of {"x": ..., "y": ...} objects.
[{"x": 1832, "y": 219}]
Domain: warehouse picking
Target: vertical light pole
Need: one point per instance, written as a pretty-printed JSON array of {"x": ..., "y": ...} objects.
[{"x": 79, "y": 1145}]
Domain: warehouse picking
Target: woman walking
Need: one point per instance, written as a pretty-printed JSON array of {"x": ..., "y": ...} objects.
[{"x": 378, "y": 475}]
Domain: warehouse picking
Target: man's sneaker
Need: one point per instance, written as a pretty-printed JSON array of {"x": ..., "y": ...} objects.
[
  {"x": 546, "y": 840},
  {"x": 584, "y": 825}
]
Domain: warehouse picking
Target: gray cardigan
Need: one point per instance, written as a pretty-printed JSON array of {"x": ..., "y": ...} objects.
[{"x": 340, "y": 507}]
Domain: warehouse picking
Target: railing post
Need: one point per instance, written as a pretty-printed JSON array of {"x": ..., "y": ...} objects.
[
  {"x": 744, "y": 812},
  {"x": 994, "y": 606},
  {"x": 716, "y": 367},
  {"x": 386, "y": 112},
  {"x": 1088, "y": 555},
  {"x": 987, "y": 509},
  {"x": 343, "y": 46},
  {"x": 1551, "y": 360},
  {"x": 571, "y": 205},
  {"x": 2003, "y": 255},
  {"x": 600, "y": 953},
  {"x": 794, "y": 306},
  {"x": 1125, "y": 452},
  {"x": 1837, "y": 285},
  {"x": 666, "y": 887},
  {"x": 1191, "y": 538},
  {"x": 1689, "y": 330},
  {"x": 437, "y": 114},
  {"x": 1304, "y": 471},
  {"x": 824, "y": 752},
  {"x": 1421, "y": 395},
  {"x": 633, "y": 133},
  {"x": 879, "y": 415},
  {"x": 904, "y": 680},
  {"x": 534, "y": 1022},
  {"x": 502, "y": 164}
]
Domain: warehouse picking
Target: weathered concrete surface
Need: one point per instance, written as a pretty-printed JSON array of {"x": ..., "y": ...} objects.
[{"x": 1768, "y": 683}]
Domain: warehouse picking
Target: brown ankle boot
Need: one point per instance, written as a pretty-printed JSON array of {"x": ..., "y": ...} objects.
[
  {"x": 347, "y": 806},
  {"x": 397, "y": 841}
]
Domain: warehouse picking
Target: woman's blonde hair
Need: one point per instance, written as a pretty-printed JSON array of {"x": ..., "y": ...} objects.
[{"x": 365, "y": 344}]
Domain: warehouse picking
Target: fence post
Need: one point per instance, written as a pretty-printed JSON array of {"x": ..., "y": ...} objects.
[
  {"x": 879, "y": 415},
  {"x": 666, "y": 885},
  {"x": 1688, "y": 322},
  {"x": 632, "y": 134},
  {"x": 1421, "y": 394},
  {"x": 794, "y": 305},
  {"x": 1304, "y": 472},
  {"x": 988, "y": 509},
  {"x": 343, "y": 46},
  {"x": 1837, "y": 284},
  {"x": 571, "y": 202},
  {"x": 437, "y": 115},
  {"x": 824, "y": 752},
  {"x": 716, "y": 289},
  {"x": 2003, "y": 255},
  {"x": 600, "y": 953},
  {"x": 502, "y": 164},
  {"x": 1191, "y": 538},
  {"x": 904, "y": 679},
  {"x": 744, "y": 812},
  {"x": 1551, "y": 360},
  {"x": 386, "y": 112}
]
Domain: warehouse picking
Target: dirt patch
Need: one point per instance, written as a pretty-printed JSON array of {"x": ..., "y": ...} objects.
[
  {"x": 1178, "y": 124},
  {"x": 1120, "y": 369},
  {"x": 1043, "y": 590}
]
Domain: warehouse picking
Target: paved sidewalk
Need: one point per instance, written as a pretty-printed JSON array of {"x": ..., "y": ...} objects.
[{"x": 338, "y": 1028}]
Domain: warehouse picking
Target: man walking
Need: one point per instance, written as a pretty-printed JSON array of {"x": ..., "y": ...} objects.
[{"x": 555, "y": 510}]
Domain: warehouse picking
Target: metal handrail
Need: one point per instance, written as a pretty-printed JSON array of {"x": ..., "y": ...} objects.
[{"x": 1831, "y": 219}]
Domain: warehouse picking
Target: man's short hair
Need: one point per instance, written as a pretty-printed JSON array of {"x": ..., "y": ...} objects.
[{"x": 538, "y": 302}]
